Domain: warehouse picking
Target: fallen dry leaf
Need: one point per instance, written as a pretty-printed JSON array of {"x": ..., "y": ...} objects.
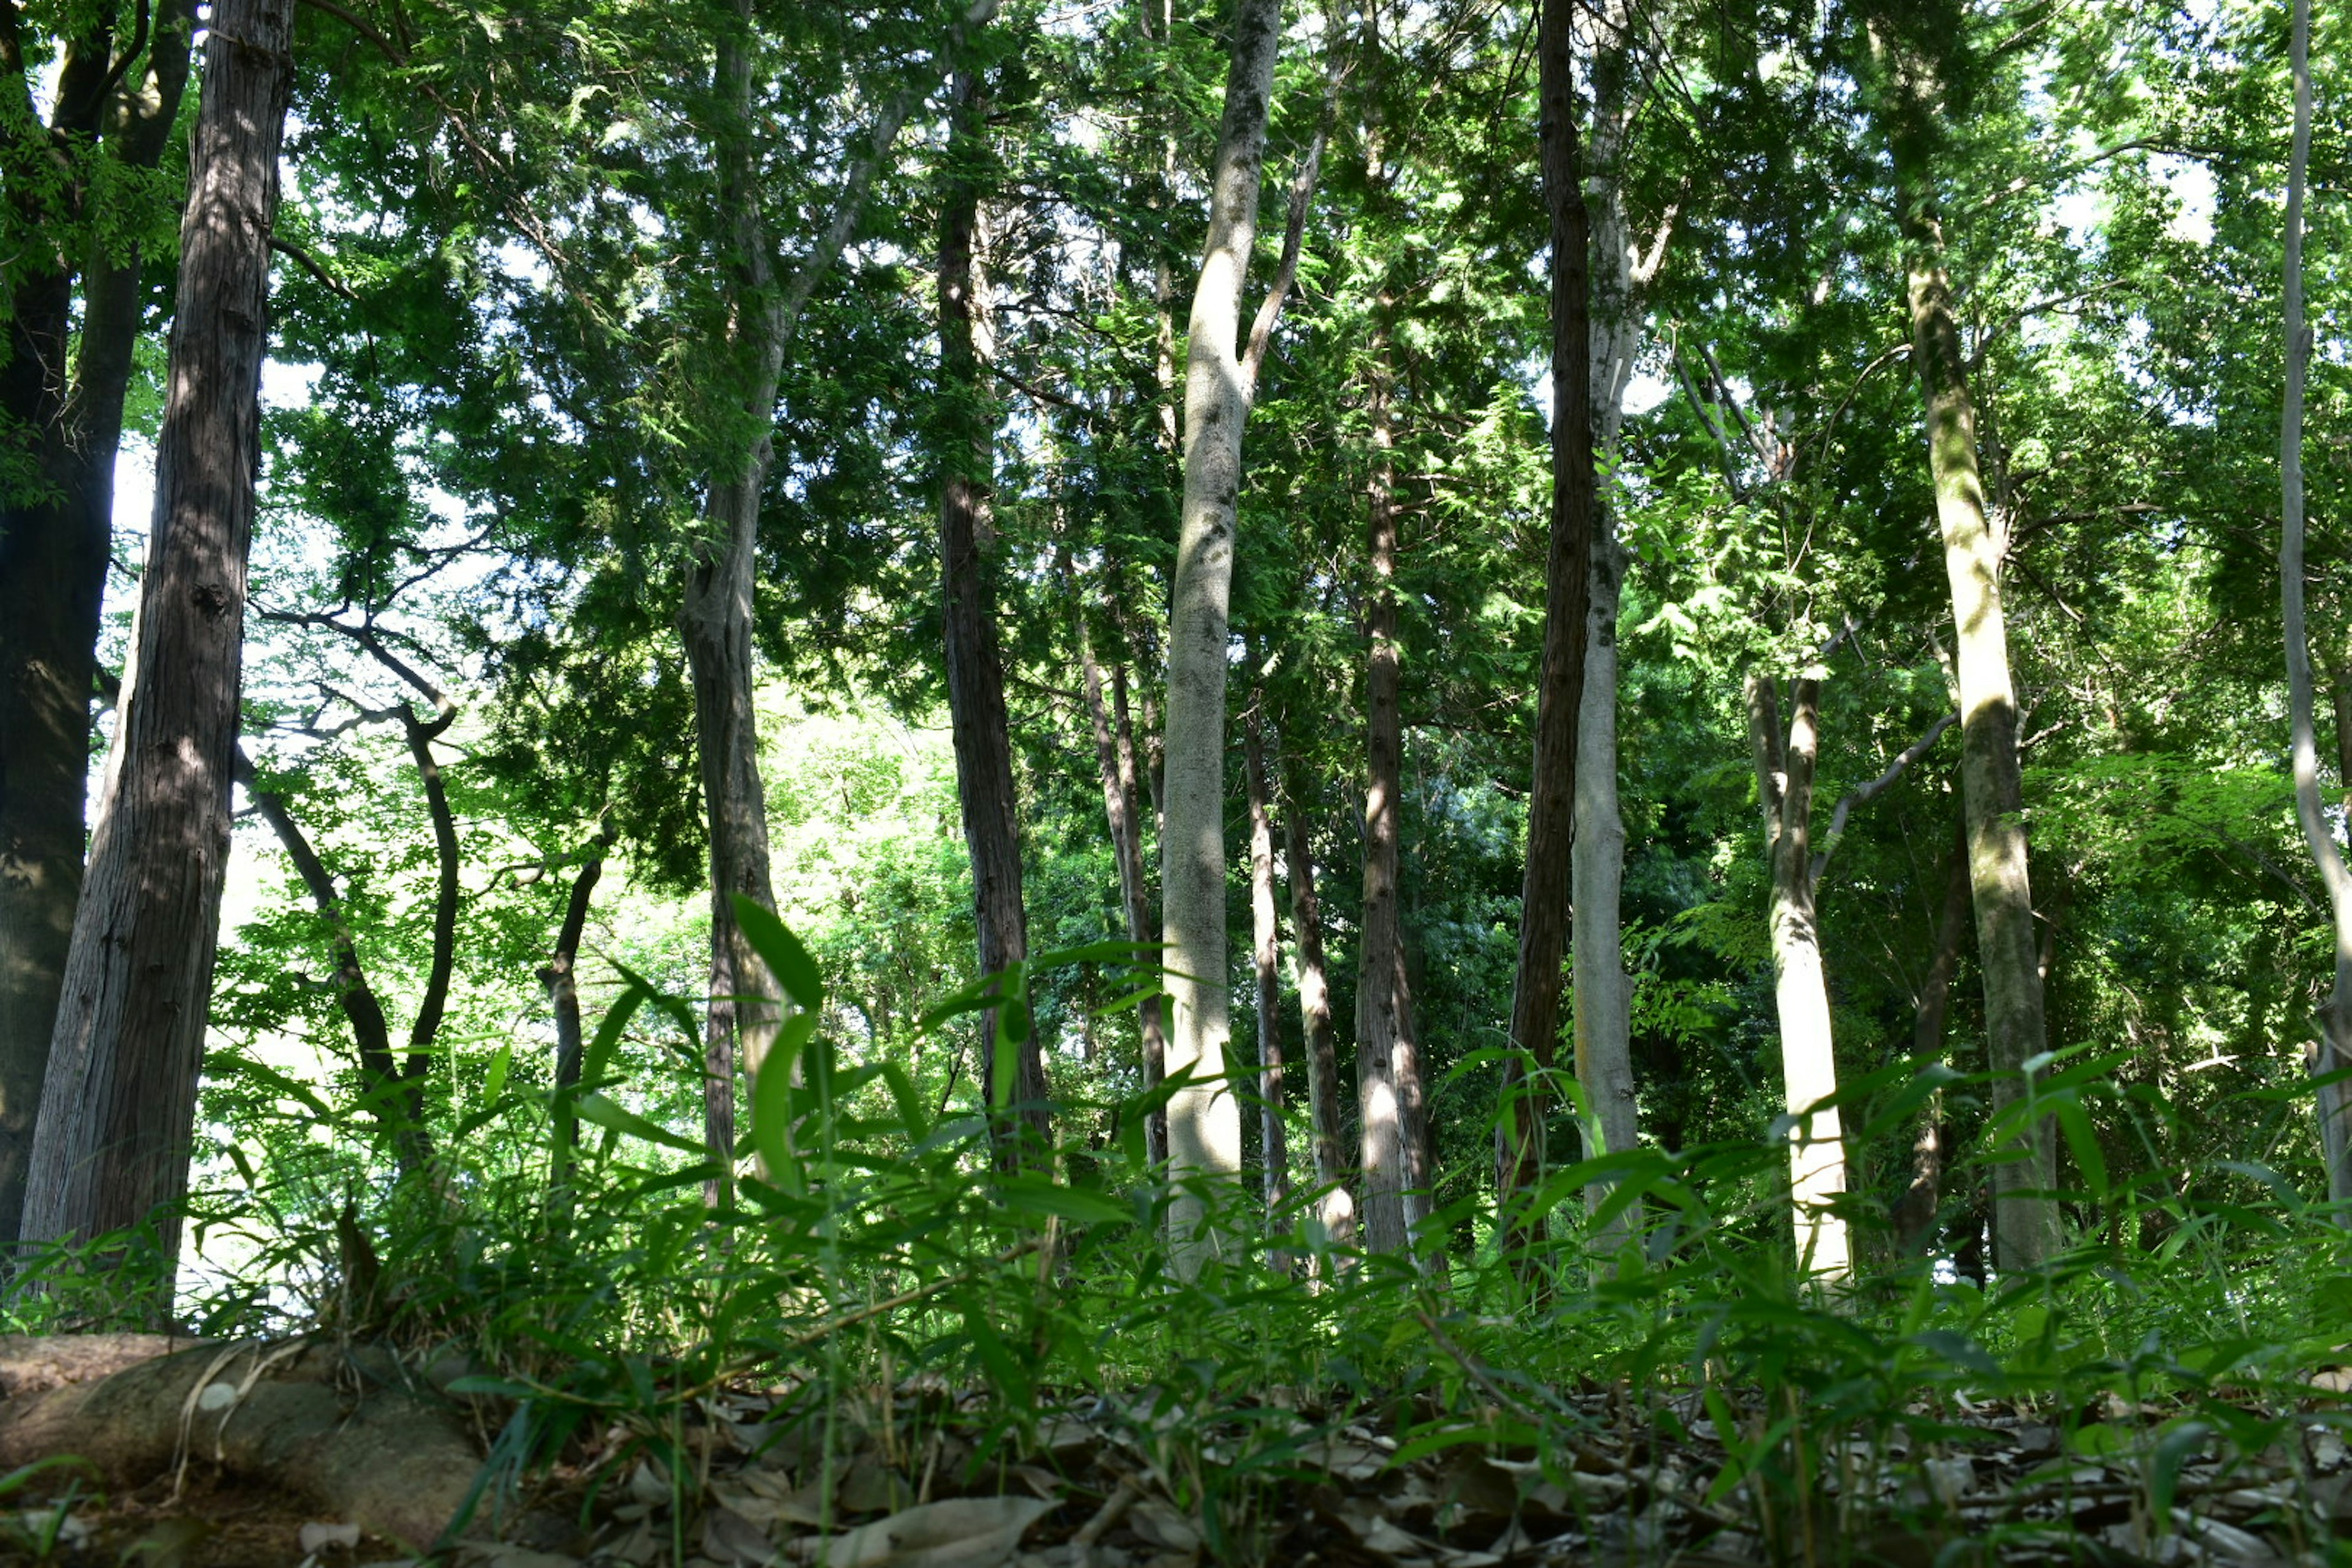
[{"x": 963, "y": 1532}]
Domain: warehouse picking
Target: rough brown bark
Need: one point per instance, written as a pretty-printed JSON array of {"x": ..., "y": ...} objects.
[
  {"x": 1388, "y": 1088},
  {"x": 975, "y": 669},
  {"x": 118, "y": 1108},
  {"x": 1915, "y": 1210},
  {"x": 53, "y": 555},
  {"x": 1334, "y": 1207},
  {"x": 1151, "y": 1016},
  {"x": 1544, "y": 895},
  {"x": 1265, "y": 960}
]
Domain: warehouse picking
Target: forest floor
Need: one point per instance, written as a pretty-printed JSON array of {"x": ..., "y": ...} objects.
[{"x": 925, "y": 1477}]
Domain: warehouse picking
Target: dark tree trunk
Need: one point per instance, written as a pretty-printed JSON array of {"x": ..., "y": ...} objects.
[
  {"x": 1333, "y": 1206},
  {"x": 1265, "y": 957},
  {"x": 53, "y": 560},
  {"x": 1152, "y": 1018},
  {"x": 1915, "y": 1210},
  {"x": 1551, "y": 803},
  {"x": 119, "y": 1106},
  {"x": 562, "y": 978},
  {"x": 976, "y": 712},
  {"x": 1388, "y": 1068}
]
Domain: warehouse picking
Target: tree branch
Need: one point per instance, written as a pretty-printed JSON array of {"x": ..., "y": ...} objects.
[{"x": 1874, "y": 788}]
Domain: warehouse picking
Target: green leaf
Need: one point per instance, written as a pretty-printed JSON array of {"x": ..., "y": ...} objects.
[
  {"x": 794, "y": 970},
  {"x": 604, "y": 1113},
  {"x": 1035, "y": 1195}
]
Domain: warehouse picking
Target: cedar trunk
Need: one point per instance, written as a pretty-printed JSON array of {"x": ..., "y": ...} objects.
[
  {"x": 1388, "y": 1090},
  {"x": 1019, "y": 1118},
  {"x": 53, "y": 560},
  {"x": 119, "y": 1106},
  {"x": 1266, "y": 958},
  {"x": 1544, "y": 894},
  {"x": 1205, "y": 1118},
  {"x": 1333, "y": 1206}
]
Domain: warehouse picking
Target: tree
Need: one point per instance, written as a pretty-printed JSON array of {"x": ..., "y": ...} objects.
[
  {"x": 108, "y": 134},
  {"x": 2025, "y": 1215},
  {"x": 1551, "y": 805},
  {"x": 2333, "y": 1054},
  {"x": 1204, "y": 1117},
  {"x": 119, "y": 1106}
]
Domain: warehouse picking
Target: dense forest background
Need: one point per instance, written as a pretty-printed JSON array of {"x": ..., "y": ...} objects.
[{"x": 1585, "y": 662}]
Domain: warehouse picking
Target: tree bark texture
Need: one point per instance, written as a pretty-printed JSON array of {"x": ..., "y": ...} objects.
[
  {"x": 1784, "y": 783},
  {"x": 1915, "y": 1210},
  {"x": 2332, "y": 1051},
  {"x": 1115, "y": 761},
  {"x": 1388, "y": 1090},
  {"x": 1545, "y": 889},
  {"x": 562, "y": 978},
  {"x": 1204, "y": 1118},
  {"x": 1265, "y": 960},
  {"x": 1335, "y": 1207},
  {"x": 976, "y": 713},
  {"x": 119, "y": 1106},
  {"x": 54, "y": 548},
  {"x": 2026, "y": 1221},
  {"x": 1603, "y": 991},
  {"x": 715, "y": 618}
]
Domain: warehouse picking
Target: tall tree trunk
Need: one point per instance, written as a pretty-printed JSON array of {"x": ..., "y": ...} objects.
[
  {"x": 117, "y": 1108},
  {"x": 1388, "y": 1088},
  {"x": 562, "y": 978},
  {"x": 1784, "y": 783},
  {"x": 715, "y": 618},
  {"x": 1603, "y": 991},
  {"x": 1545, "y": 890},
  {"x": 53, "y": 560},
  {"x": 2026, "y": 1221},
  {"x": 1115, "y": 764},
  {"x": 1333, "y": 1206},
  {"x": 976, "y": 711},
  {"x": 2333, "y": 1052},
  {"x": 1266, "y": 955},
  {"x": 1204, "y": 1118},
  {"x": 1915, "y": 1210}
]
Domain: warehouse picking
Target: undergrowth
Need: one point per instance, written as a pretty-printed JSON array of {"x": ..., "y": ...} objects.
[{"x": 866, "y": 1239}]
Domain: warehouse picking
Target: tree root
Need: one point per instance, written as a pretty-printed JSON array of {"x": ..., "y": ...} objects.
[{"x": 344, "y": 1427}]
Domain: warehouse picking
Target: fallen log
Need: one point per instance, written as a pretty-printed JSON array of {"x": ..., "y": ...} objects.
[{"x": 343, "y": 1427}]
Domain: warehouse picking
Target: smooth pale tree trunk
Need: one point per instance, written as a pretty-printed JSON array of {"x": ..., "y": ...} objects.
[
  {"x": 1265, "y": 959},
  {"x": 2332, "y": 1051},
  {"x": 1602, "y": 1022},
  {"x": 1388, "y": 1090},
  {"x": 1335, "y": 1209},
  {"x": 976, "y": 713},
  {"x": 1545, "y": 890},
  {"x": 53, "y": 557},
  {"x": 1784, "y": 783},
  {"x": 716, "y": 617},
  {"x": 1205, "y": 1118},
  {"x": 118, "y": 1108},
  {"x": 2025, "y": 1218}
]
